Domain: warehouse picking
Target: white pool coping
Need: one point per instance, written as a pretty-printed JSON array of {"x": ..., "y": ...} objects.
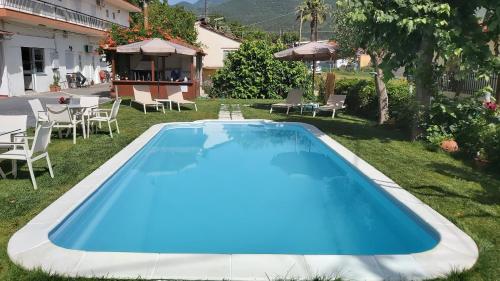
[{"x": 31, "y": 248}]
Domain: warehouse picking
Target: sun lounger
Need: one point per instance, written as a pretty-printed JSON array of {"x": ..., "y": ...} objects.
[
  {"x": 175, "y": 96},
  {"x": 142, "y": 96},
  {"x": 294, "y": 99},
  {"x": 334, "y": 102}
]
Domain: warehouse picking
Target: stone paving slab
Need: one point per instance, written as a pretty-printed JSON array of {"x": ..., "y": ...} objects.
[{"x": 230, "y": 112}]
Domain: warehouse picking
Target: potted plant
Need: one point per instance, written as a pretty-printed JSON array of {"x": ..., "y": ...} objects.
[
  {"x": 449, "y": 145},
  {"x": 55, "y": 87}
]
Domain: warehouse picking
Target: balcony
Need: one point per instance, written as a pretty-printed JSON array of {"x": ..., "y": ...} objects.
[{"x": 55, "y": 12}]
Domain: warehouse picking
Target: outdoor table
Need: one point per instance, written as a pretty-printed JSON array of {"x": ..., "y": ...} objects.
[
  {"x": 165, "y": 100},
  {"x": 310, "y": 107}
]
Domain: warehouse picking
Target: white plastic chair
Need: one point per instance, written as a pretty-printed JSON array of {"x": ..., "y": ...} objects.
[
  {"x": 90, "y": 104},
  {"x": 9, "y": 123},
  {"x": 38, "y": 110},
  {"x": 107, "y": 115},
  {"x": 21, "y": 150},
  {"x": 142, "y": 96},
  {"x": 62, "y": 118},
  {"x": 175, "y": 96}
]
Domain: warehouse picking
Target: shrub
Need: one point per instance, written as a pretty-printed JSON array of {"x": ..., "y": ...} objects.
[
  {"x": 253, "y": 72},
  {"x": 475, "y": 127},
  {"x": 362, "y": 99}
]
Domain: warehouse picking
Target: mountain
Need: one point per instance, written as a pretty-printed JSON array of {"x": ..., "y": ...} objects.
[
  {"x": 270, "y": 15},
  {"x": 198, "y": 6}
]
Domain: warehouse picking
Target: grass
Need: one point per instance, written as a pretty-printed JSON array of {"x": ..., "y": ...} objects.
[
  {"x": 467, "y": 196},
  {"x": 19, "y": 202},
  {"x": 343, "y": 74}
]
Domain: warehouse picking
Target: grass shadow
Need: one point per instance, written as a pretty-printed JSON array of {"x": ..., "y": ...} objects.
[
  {"x": 490, "y": 184},
  {"x": 343, "y": 125}
]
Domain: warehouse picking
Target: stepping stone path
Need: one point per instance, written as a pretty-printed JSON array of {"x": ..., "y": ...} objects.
[{"x": 230, "y": 112}]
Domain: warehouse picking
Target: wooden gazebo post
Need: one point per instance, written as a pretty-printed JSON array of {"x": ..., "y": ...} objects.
[
  {"x": 113, "y": 71},
  {"x": 152, "y": 69}
]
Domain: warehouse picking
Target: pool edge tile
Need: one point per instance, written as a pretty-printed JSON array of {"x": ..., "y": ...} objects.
[
  {"x": 269, "y": 267},
  {"x": 193, "y": 267}
]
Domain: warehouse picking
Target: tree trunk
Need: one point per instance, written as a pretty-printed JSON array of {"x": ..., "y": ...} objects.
[
  {"x": 423, "y": 81},
  {"x": 383, "y": 98},
  {"x": 312, "y": 30},
  {"x": 146, "y": 15},
  {"x": 316, "y": 28}
]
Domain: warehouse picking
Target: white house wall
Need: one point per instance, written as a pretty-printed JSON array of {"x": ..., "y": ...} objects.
[
  {"x": 214, "y": 45},
  {"x": 58, "y": 47}
]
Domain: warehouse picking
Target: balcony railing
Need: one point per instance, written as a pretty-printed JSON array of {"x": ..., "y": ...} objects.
[{"x": 49, "y": 10}]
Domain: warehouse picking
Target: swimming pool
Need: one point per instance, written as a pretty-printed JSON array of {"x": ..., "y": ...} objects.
[{"x": 281, "y": 192}]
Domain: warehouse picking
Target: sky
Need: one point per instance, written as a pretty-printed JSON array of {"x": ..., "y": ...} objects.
[{"x": 173, "y": 2}]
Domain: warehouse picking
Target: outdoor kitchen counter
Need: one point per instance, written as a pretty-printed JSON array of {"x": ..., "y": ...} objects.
[{"x": 124, "y": 88}]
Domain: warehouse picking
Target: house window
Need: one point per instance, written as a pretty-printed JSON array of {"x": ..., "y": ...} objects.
[
  {"x": 226, "y": 53},
  {"x": 33, "y": 60},
  {"x": 114, "y": 16},
  {"x": 107, "y": 13}
]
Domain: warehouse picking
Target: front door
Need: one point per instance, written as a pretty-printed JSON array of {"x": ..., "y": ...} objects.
[
  {"x": 26, "y": 55},
  {"x": 33, "y": 63}
]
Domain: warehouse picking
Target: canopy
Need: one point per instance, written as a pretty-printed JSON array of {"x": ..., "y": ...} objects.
[
  {"x": 312, "y": 51},
  {"x": 155, "y": 47}
]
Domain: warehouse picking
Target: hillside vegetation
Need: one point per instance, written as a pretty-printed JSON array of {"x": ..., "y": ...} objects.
[{"x": 270, "y": 15}]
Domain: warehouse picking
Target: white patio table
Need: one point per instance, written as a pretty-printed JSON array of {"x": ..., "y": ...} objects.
[{"x": 79, "y": 110}]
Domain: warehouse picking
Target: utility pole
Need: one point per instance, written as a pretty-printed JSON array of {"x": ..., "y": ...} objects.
[
  {"x": 206, "y": 9},
  {"x": 301, "y": 22}
]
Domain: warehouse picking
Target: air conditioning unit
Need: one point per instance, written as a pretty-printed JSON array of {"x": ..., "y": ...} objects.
[
  {"x": 99, "y": 3},
  {"x": 89, "y": 48}
]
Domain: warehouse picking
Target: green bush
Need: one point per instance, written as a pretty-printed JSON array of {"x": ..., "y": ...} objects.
[
  {"x": 474, "y": 127},
  {"x": 362, "y": 99},
  {"x": 252, "y": 72}
]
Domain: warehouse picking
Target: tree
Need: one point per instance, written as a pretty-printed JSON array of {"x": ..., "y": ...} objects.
[
  {"x": 253, "y": 72},
  {"x": 174, "y": 20},
  {"x": 352, "y": 35},
  {"x": 314, "y": 11},
  {"x": 422, "y": 35}
]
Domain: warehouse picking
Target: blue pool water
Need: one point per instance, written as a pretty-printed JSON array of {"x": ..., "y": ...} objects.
[{"x": 241, "y": 189}]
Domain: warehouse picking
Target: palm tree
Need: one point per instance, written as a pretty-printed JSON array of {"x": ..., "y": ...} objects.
[{"x": 314, "y": 11}]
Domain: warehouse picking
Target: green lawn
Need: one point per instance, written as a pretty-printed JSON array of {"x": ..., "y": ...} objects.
[
  {"x": 342, "y": 74},
  {"x": 467, "y": 196}
]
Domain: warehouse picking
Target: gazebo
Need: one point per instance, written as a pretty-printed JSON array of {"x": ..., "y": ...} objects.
[{"x": 158, "y": 63}]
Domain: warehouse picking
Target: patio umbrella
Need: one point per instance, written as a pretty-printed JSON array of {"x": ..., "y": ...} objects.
[{"x": 312, "y": 51}]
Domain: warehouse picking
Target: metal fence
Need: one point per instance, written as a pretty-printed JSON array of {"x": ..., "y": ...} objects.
[
  {"x": 49, "y": 10},
  {"x": 468, "y": 85}
]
